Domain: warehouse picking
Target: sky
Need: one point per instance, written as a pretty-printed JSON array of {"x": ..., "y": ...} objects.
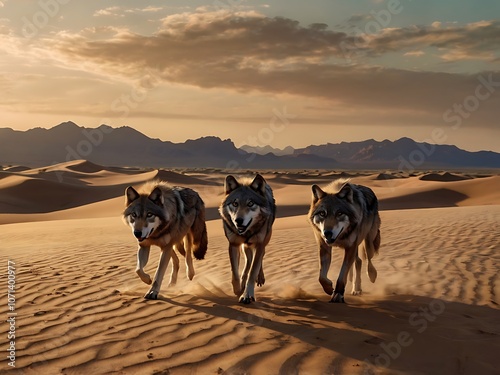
[{"x": 275, "y": 72}]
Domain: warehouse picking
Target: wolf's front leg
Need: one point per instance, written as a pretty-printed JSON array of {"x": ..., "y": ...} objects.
[
  {"x": 249, "y": 293},
  {"x": 166, "y": 253},
  {"x": 234, "y": 257},
  {"x": 249, "y": 252},
  {"x": 338, "y": 294},
  {"x": 325, "y": 259},
  {"x": 356, "y": 286},
  {"x": 142, "y": 260}
]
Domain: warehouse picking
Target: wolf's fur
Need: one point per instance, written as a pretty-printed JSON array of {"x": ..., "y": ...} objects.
[
  {"x": 248, "y": 212},
  {"x": 345, "y": 215},
  {"x": 166, "y": 216}
]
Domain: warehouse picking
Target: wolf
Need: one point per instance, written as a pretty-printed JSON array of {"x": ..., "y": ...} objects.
[
  {"x": 169, "y": 217},
  {"x": 248, "y": 212},
  {"x": 345, "y": 215}
]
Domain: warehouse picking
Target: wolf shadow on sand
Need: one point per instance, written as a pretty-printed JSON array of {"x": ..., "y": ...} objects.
[{"x": 372, "y": 326}]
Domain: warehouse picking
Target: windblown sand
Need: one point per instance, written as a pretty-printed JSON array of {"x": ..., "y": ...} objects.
[{"x": 434, "y": 308}]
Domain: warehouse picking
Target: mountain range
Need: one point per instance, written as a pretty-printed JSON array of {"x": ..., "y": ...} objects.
[
  {"x": 289, "y": 150},
  {"x": 125, "y": 146}
]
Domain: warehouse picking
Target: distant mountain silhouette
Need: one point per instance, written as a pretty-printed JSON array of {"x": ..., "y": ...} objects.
[
  {"x": 268, "y": 149},
  {"x": 126, "y": 146},
  {"x": 404, "y": 154}
]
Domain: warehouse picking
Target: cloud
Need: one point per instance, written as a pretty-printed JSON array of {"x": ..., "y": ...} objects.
[
  {"x": 359, "y": 18},
  {"x": 237, "y": 40},
  {"x": 150, "y": 9},
  {"x": 249, "y": 52},
  {"x": 116, "y": 11},
  {"x": 110, "y": 11},
  {"x": 474, "y": 41},
  {"x": 248, "y": 38},
  {"x": 414, "y": 53}
]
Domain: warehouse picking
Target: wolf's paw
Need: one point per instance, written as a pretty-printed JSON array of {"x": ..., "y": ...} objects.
[
  {"x": 337, "y": 298},
  {"x": 327, "y": 286},
  {"x": 152, "y": 294},
  {"x": 144, "y": 277},
  {"x": 237, "y": 288},
  {"x": 247, "y": 299},
  {"x": 261, "y": 280},
  {"x": 190, "y": 273},
  {"x": 172, "y": 284},
  {"x": 357, "y": 292}
]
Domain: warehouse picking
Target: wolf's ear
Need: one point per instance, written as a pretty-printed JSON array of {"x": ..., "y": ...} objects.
[
  {"x": 346, "y": 193},
  {"x": 130, "y": 195},
  {"x": 230, "y": 184},
  {"x": 317, "y": 193},
  {"x": 156, "y": 196},
  {"x": 259, "y": 184}
]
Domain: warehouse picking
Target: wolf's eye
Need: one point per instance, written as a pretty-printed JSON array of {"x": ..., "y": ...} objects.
[
  {"x": 250, "y": 204},
  {"x": 235, "y": 204},
  {"x": 134, "y": 215},
  {"x": 339, "y": 214},
  {"x": 322, "y": 214},
  {"x": 149, "y": 215}
]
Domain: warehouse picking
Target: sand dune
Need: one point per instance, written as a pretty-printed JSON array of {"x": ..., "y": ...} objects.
[
  {"x": 445, "y": 177},
  {"x": 56, "y": 189},
  {"x": 74, "y": 184},
  {"x": 16, "y": 168},
  {"x": 81, "y": 311}
]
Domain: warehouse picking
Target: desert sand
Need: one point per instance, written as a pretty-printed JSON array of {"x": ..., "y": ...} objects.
[{"x": 434, "y": 308}]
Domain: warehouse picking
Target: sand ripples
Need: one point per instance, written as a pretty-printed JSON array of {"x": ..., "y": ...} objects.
[{"x": 81, "y": 309}]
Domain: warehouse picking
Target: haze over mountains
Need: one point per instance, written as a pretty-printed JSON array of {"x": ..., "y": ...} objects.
[{"x": 126, "y": 146}]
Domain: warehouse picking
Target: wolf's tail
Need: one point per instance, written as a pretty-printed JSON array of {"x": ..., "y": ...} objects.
[
  {"x": 376, "y": 242},
  {"x": 369, "y": 248},
  {"x": 200, "y": 238}
]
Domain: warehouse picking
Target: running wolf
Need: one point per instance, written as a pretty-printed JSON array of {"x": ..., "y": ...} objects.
[
  {"x": 248, "y": 212},
  {"x": 166, "y": 216},
  {"x": 345, "y": 215}
]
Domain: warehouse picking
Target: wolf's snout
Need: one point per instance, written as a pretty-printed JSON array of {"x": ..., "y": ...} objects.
[
  {"x": 138, "y": 234},
  {"x": 241, "y": 225},
  {"x": 331, "y": 235},
  {"x": 328, "y": 234}
]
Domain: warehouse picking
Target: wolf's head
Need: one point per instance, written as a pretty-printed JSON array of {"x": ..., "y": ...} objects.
[
  {"x": 333, "y": 214},
  {"x": 144, "y": 212},
  {"x": 245, "y": 202}
]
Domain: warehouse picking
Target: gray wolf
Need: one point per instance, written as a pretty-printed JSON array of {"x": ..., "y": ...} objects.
[
  {"x": 169, "y": 217},
  {"x": 345, "y": 215},
  {"x": 248, "y": 212}
]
